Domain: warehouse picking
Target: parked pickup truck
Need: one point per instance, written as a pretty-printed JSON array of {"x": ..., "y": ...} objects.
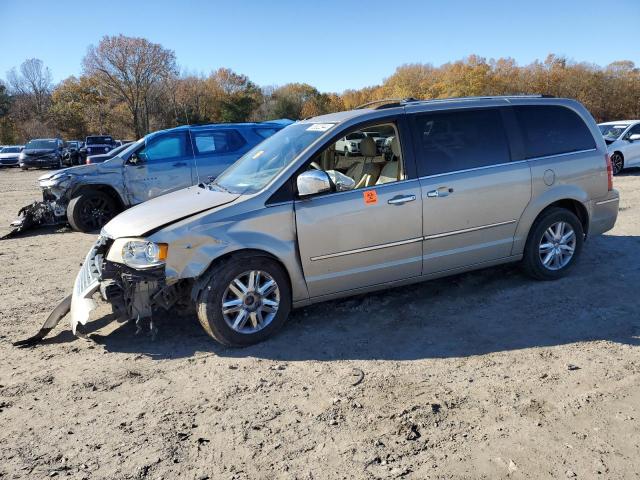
[{"x": 88, "y": 196}]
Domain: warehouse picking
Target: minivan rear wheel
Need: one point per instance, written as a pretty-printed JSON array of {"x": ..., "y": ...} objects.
[
  {"x": 90, "y": 211},
  {"x": 244, "y": 301},
  {"x": 554, "y": 244}
]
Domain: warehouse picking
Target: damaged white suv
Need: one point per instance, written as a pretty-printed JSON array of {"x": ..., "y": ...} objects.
[{"x": 470, "y": 183}]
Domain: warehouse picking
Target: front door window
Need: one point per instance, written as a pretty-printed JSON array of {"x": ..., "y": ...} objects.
[{"x": 370, "y": 234}]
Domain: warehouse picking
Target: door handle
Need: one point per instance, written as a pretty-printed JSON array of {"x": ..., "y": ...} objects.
[
  {"x": 440, "y": 192},
  {"x": 401, "y": 199}
]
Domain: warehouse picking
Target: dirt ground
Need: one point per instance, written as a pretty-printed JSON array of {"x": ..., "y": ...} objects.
[{"x": 483, "y": 375}]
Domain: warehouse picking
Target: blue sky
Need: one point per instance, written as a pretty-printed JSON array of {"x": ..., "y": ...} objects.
[{"x": 333, "y": 45}]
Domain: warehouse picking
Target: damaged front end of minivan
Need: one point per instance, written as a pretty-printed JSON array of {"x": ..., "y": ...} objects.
[{"x": 133, "y": 293}]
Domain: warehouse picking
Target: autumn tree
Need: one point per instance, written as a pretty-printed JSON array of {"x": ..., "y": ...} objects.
[
  {"x": 234, "y": 95},
  {"x": 32, "y": 82},
  {"x": 6, "y": 127},
  {"x": 131, "y": 69}
]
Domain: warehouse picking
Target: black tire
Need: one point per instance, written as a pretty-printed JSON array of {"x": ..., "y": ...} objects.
[
  {"x": 532, "y": 261},
  {"x": 24, "y": 168},
  {"x": 215, "y": 284},
  {"x": 617, "y": 163},
  {"x": 90, "y": 211}
]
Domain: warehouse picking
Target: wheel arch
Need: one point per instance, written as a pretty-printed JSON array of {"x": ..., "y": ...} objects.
[
  {"x": 569, "y": 197},
  {"x": 107, "y": 189},
  {"x": 234, "y": 255},
  {"x": 575, "y": 207}
]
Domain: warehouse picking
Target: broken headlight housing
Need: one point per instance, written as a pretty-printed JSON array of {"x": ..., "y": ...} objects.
[
  {"x": 56, "y": 180},
  {"x": 138, "y": 253}
]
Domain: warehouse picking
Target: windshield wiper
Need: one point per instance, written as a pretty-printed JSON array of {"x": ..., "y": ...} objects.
[{"x": 216, "y": 186}]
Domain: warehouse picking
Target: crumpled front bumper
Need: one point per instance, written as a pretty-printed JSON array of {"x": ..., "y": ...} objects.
[
  {"x": 132, "y": 294},
  {"x": 86, "y": 284}
]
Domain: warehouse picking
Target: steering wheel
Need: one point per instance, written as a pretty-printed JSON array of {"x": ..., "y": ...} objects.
[{"x": 315, "y": 165}]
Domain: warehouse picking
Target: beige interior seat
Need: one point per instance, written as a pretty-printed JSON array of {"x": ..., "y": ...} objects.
[
  {"x": 365, "y": 172},
  {"x": 391, "y": 171}
]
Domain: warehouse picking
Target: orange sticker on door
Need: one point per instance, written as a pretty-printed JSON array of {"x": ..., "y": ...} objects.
[{"x": 370, "y": 197}]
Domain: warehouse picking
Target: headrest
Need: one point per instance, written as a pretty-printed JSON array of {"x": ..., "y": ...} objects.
[
  {"x": 395, "y": 147},
  {"x": 368, "y": 147}
]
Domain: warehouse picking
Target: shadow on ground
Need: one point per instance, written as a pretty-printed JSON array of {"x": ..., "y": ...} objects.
[{"x": 491, "y": 310}]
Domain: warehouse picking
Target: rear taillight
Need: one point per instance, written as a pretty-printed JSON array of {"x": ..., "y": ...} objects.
[
  {"x": 88, "y": 162},
  {"x": 609, "y": 171}
]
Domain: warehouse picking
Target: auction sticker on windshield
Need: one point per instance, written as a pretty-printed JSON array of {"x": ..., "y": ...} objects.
[{"x": 320, "y": 127}]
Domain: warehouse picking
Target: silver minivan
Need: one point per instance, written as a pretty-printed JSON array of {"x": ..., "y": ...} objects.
[{"x": 470, "y": 183}]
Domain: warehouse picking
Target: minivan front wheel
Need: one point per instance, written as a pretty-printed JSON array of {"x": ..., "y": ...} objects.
[
  {"x": 90, "y": 211},
  {"x": 554, "y": 244},
  {"x": 244, "y": 301}
]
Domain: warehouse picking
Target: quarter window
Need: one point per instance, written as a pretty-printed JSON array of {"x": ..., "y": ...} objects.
[
  {"x": 459, "y": 140},
  {"x": 209, "y": 142},
  {"x": 552, "y": 130}
]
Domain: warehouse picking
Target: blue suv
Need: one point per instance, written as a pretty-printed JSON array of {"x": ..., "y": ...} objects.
[{"x": 88, "y": 196}]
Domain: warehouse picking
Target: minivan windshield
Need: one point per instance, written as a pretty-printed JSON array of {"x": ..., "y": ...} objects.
[
  {"x": 41, "y": 144},
  {"x": 612, "y": 131},
  {"x": 256, "y": 168}
]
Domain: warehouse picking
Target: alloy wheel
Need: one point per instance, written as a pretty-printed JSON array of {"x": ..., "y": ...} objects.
[
  {"x": 250, "y": 302},
  {"x": 617, "y": 163},
  {"x": 96, "y": 212},
  {"x": 557, "y": 246}
]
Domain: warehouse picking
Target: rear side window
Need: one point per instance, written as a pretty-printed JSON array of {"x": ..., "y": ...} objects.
[
  {"x": 459, "y": 140},
  {"x": 265, "y": 132},
  {"x": 211, "y": 142},
  {"x": 552, "y": 130}
]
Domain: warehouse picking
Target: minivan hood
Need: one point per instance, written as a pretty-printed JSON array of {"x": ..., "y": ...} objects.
[{"x": 166, "y": 209}]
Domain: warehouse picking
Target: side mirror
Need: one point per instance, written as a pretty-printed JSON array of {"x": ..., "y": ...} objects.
[
  {"x": 312, "y": 182},
  {"x": 341, "y": 181},
  {"x": 635, "y": 137},
  {"x": 137, "y": 158}
]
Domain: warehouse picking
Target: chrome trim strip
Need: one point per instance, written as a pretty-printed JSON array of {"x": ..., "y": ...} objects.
[
  {"x": 466, "y": 230},
  {"x": 361, "y": 189},
  {"x": 472, "y": 169},
  {"x": 504, "y": 164},
  {"x": 562, "y": 154},
  {"x": 608, "y": 201},
  {"x": 367, "y": 249}
]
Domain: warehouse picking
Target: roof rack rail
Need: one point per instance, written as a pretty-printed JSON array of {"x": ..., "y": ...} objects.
[
  {"x": 397, "y": 102},
  {"x": 486, "y": 97},
  {"x": 388, "y": 102}
]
